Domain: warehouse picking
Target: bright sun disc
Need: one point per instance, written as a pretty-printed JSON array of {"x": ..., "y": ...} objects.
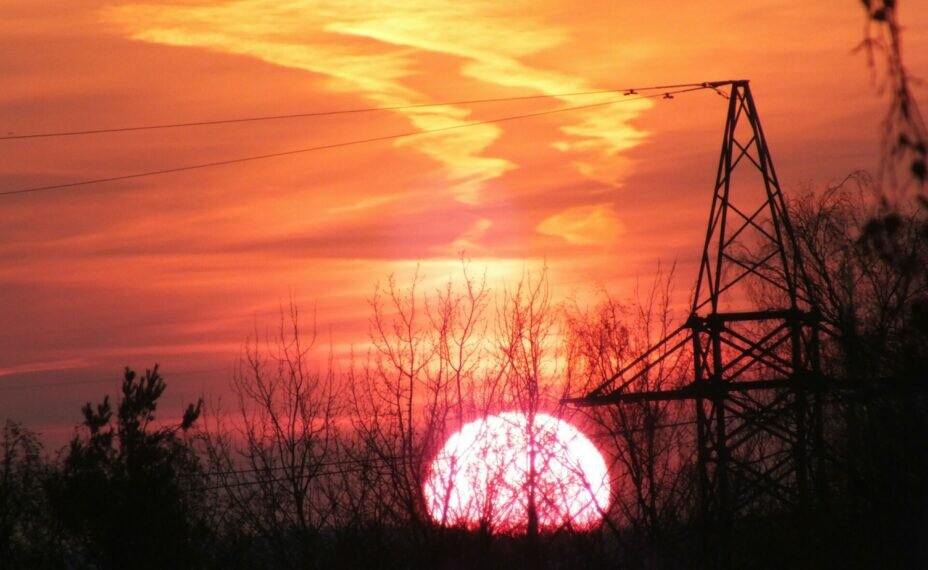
[{"x": 481, "y": 475}]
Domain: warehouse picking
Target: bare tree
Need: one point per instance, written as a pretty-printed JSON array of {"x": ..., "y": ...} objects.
[
  {"x": 651, "y": 441},
  {"x": 442, "y": 361},
  {"x": 419, "y": 380},
  {"x": 276, "y": 460},
  {"x": 865, "y": 267},
  {"x": 525, "y": 324},
  {"x": 26, "y": 533},
  {"x": 870, "y": 285}
]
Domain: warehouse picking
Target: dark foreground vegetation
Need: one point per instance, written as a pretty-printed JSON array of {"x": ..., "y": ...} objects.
[{"x": 315, "y": 465}]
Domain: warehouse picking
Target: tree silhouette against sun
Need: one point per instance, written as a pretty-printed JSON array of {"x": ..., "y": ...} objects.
[{"x": 495, "y": 471}]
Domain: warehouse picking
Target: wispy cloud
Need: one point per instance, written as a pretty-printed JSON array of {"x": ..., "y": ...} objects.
[
  {"x": 583, "y": 225},
  {"x": 68, "y": 364},
  {"x": 384, "y": 51}
]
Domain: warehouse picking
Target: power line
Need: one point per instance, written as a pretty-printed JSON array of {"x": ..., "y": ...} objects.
[
  {"x": 367, "y": 461},
  {"x": 310, "y": 114},
  {"x": 388, "y": 459},
  {"x": 395, "y": 136},
  {"x": 357, "y": 468},
  {"x": 369, "y": 464}
]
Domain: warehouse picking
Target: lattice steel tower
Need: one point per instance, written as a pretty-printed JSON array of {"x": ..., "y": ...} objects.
[{"x": 756, "y": 376}]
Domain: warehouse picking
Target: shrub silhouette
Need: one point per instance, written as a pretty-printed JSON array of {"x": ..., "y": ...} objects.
[{"x": 124, "y": 494}]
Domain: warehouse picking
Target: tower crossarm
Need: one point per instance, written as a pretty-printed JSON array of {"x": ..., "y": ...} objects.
[{"x": 632, "y": 373}]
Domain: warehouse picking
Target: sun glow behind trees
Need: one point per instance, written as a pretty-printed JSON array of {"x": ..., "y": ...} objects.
[{"x": 490, "y": 472}]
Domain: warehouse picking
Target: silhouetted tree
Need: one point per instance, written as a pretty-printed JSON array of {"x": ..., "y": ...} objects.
[
  {"x": 439, "y": 361},
  {"x": 275, "y": 460},
  {"x": 422, "y": 377},
  {"x": 528, "y": 357},
  {"x": 905, "y": 136},
  {"x": 865, "y": 263},
  {"x": 27, "y": 534},
  {"x": 652, "y": 443},
  {"x": 127, "y": 490}
]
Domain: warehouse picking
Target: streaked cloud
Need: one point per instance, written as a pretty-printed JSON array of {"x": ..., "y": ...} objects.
[
  {"x": 583, "y": 225},
  {"x": 469, "y": 240},
  {"x": 379, "y": 50},
  {"x": 68, "y": 364}
]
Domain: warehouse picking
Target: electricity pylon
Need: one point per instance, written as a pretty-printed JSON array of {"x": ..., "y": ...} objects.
[{"x": 756, "y": 374}]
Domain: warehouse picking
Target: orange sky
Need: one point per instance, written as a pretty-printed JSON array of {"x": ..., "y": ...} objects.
[{"x": 180, "y": 268}]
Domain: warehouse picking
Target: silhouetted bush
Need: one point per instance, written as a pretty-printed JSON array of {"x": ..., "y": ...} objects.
[{"x": 126, "y": 493}]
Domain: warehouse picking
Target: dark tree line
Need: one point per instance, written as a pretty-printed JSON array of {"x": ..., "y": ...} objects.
[
  {"x": 122, "y": 491},
  {"x": 868, "y": 264}
]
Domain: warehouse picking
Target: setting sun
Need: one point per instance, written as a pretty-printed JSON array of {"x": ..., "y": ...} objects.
[{"x": 483, "y": 476}]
